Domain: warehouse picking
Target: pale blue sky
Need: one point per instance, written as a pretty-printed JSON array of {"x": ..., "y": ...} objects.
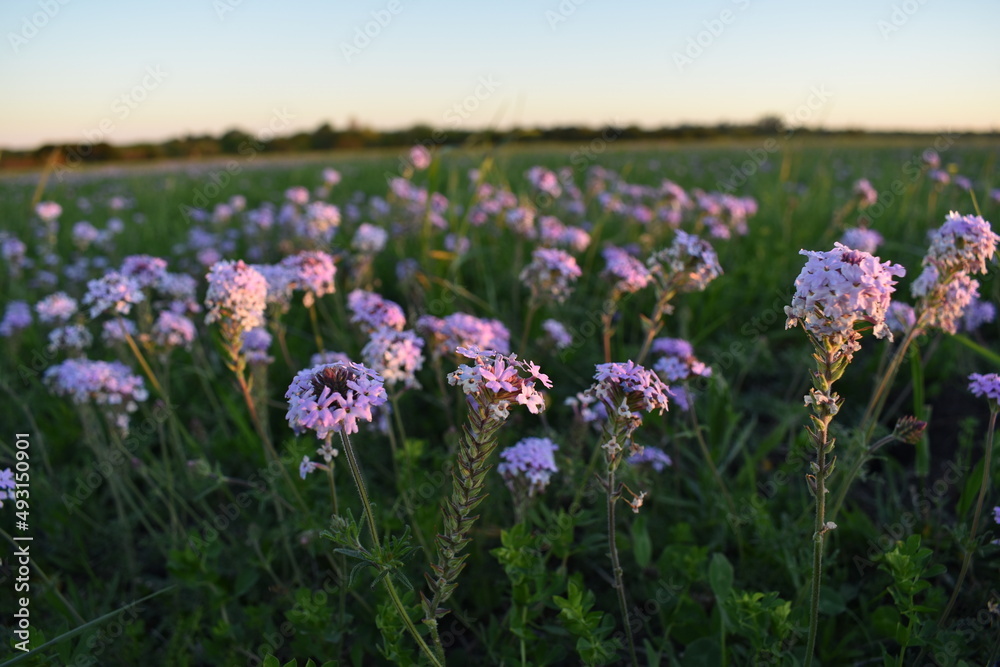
[{"x": 65, "y": 65}]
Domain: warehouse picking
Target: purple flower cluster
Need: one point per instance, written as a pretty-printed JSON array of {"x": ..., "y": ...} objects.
[
  {"x": 70, "y": 337},
  {"x": 865, "y": 194},
  {"x": 395, "y": 355},
  {"x": 369, "y": 239},
  {"x": 332, "y": 398},
  {"x": 688, "y": 265},
  {"x": 962, "y": 243},
  {"x": 313, "y": 272},
  {"x": 978, "y": 313},
  {"x": 494, "y": 381},
  {"x": 654, "y": 457},
  {"x": 945, "y": 298},
  {"x": 110, "y": 385},
  {"x": 529, "y": 465},
  {"x": 544, "y": 180},
  {"x": 463, "y": 330},
  {"x": 551, "y": 274},
  {"x": 145, "y": 270},
  {"x": 557, "y": 334},
  {"x": 628, "y": 273},
  {"x": 56, "y": 308},
  {"x": 256, "y": 343},
  {"x": 678, "y": 362},
  {"x": 371, "y": 312},
  {"x": 985, "y": 385},
  {"x": 838, "y": 288},
  {"x": 626, "y": 390},
  {"x": 172, "y": 330},
  {"x": 114, "y": 331},
  {"x": 114, "y": 292},
  {"x": 862, "y": 238},
  {"x": 6, "y": 485},
  {"x": 16, "y": 317},
  {"x": 236, "y": 296},
  {"x": 900, "y": 317}
]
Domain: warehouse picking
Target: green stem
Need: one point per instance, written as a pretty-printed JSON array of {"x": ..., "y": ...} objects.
[
  {"x": 967, "y": 561},
  {"x": 819, "y": 530},
  {"x": 315, "y": 327},
  {"x": 359, "y": 481},
  {"x": 616, "y": 565}
]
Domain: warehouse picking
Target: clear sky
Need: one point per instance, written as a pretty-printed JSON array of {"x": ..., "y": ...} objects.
[{"x": 130, "y": 70}]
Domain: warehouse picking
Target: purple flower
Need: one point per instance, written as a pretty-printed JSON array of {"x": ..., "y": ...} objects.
[
  {"x": 678, "y": 362},
  {"x": 985, "y": 385},
  {"x": 113, "y": 331},
  {"x": 331, "y": 176},
  {"x": 313, "y": 272},
  {"x": 420, "y": 157},
  {"x": 900, "y": 317},
  {"x": 962, "y": 243},
  {"x": 865, "y": 194},
  {"x": 306, "y": 467},
  {"x": 173, "y": 330},
  {"x": 113, "y": 292},
  {"x": 838, "y": 288},
  {"x": 550, "y": 274},
  {"x": 862, "y": 238},
  {"x": 688, "y": 265},
  {"x": 236, "y": 296},
  {"x": 557, "y": 333},
  {"x": 256, "y": 342},
  {"x": 494, "y": 381},
  {"x": 297, "y": 195},
  {"x": 369, "y": 239},
  {"x": 70, "y": 337},
  {"x": 109, "y": 385},
  {"x": 395, "y": 355},
  {"x": 84, "y": 234},
  {"x": 978, "y": 313},
  {"x": 463, "y": 330},
  {"x": 963, "y": 182},
  {"x": 371, "y": 312},
  {"x": 48, "y": 210},
  {"x": 544, "y": 180},
  {"x": 945, "y": 303},
  {"x": 626, "y": 390},
  {"x": 147, "y": 271},
  {"x": 16, "y": 317},
  {"x": 332, "y": 398},
  {"x": 628, "y": 273},
  {"x": 655, "y": 457},
  {"x": 528, "y": 465},
  {"x": 996, "y": 514},
  {"x": 6, "y": 485},
  {"x": 327, "y": 358},
  {"x": 931, "y": 158},
  {"x": 56, "y": 308}
]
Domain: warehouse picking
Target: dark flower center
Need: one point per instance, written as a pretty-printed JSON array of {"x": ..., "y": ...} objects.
[{"x": 334, "y": 377}]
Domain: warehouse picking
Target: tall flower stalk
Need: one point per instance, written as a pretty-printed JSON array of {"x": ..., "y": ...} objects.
[
  {"x": 834, "y": 291},
  {"x": 626, "y": 390},
  {"x": 491, "y": 385}
]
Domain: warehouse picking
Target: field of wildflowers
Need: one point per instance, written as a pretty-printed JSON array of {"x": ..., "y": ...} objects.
[{"x": 518, "y": 407}]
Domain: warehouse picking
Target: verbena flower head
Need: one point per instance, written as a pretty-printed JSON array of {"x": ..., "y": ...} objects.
[
  {"x": 494, "y": 381},
  {"x": 395, "y": 355},
  {"x": 865, "y": 193},
  {"x": 173, "y": 330},
  {"x": 628, "y": 273},
  {"x": 557, "y": 333},
  {"x": 281, "y": 282},
  {"x": 145, "y": 270},
  {"x": 256, "y": 343},
  {"x": 236, "y": 295},
  {"x": 70, "y": 337},
  {"x": 118, "y": 330},
  {"x": 464, "y": 330},
  {"x": 626, "y": 390},
  {"x": 110, "y": 385},
  {"x": 978, "y": 313},
  {"x": 900, "y": 317},
  {"x": 944, "y": 303},
  {"x": 371, "y": 312},
  {"x": 688, "y": 265},
  {"x": 678, "y": 362},
  {"x": 654, "y": 457},
  {"x": 313, "y": 272},
  {"x": 551, "y": 274},
  {"x": 985, "y": 385},
  {"x": 528, "y": 465},
  {"x": 838, "y": 288},
  {"x": 6, "y": 485},
  {"x": 331, "y": 398},
  {"x": 16, "y": 317},
  {"x": 420, "y": 157},
  {"x": 962, "y": 243},
  {"x": 56, "y": 308},
  {"x": 326, "y": 358},
  {"x": 48, "y": 210},
  {"x": 369, "y": 239},
  {"x": 114, "y": 292},
  {"x": 862, "y": 238}
]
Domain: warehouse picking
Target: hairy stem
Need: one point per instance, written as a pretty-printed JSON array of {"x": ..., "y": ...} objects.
[{"x": 616, "y": 565}]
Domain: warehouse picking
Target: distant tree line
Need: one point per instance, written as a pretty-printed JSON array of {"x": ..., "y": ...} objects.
[{"x": 327, "y": 138}]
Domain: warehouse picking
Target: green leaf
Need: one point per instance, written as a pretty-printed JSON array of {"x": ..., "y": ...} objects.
[
  {"x": 720, "y": 576},
  {"x": 271, "y": 661},
  {"x": 642, "y": 544}
]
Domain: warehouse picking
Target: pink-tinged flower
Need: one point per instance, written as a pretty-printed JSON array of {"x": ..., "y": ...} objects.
[
  {"x": 544, "y": 180},
  {"x": 177, "y": 286},
  {"x": 173, "y": 330},
  {"x": 978, "y": 313},
  {"x": 420, "y": 157},
  {"x": 372, "y": 312},
  {"x": 256, "y": 343},
  {"x": 862, "y": 238},
  {"x": 306, "y": 467},
  {"x": 688, "y": 265},
  {"x": 314, "y": 273},
  {"x": 327, "y": 358},
  {"x": 332, "y": 398},
  {"x": 236, "y": 296},
  {"x": 557, "y": 334},
  {"x": 626, "y": 390},
  {"x": 939, "y": 176},
  {"x": 838, "y": 288},
  {"x": 963, "y": 182},
  {"x": 70, "y": 337},
  {"x": 369, "y": 239},
  {"x": 628, "y": 273},
  {"x": 114, "y": 331},
  {"x": 900, "y": 317},
  {"x": 654, "y": 457},
  {"x": 114, "y": 292},
  {"x": 494, "y": 382},
  {"x": 678, "y": 362},
  {"x": 931, "y": 158},
  {"x": 521, "y": 221},
  {"x": 551, "y": 274},
  {"x": 529, "y": 465},
  {"x": 865, "y": 193},
  {"x": 985, "y": 385},
  {"x": 395, "y": 355},
  {"x": 944, "y": 303},
  {"x": 281, "y": 281},
  {"x": 297, "y": 195},
  {"x": 56, "y": 308},
  {"x": 109, "y": 385},
  {"x": 48, "y": 210},
  {"x": 145, "y": 270},
  {"x": 463, "y": 330},
  {"x": 84, "y": 234},
  {"x": 962, "y": 243},
  {"x": 331, "y": 176},
  {"x": 16, "y": 317}
]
